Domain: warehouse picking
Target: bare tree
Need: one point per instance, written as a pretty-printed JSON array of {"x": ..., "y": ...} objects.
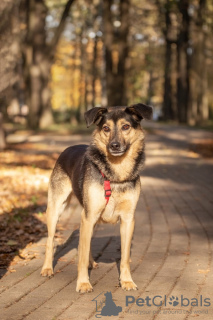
[
  {"x": 116, "y": 51},
  {"x": 170, "y": 34},
  {"x": 2, "y": 134},
  {"x": 198, "y": 107},
  {"x": 39, "y": 57}
]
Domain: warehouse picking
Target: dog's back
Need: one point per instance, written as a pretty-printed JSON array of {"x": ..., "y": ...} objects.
[{"x": 71, "y": 162}]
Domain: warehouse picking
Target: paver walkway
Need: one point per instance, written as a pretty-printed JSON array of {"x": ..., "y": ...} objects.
[{"x": 171, "y": 250}]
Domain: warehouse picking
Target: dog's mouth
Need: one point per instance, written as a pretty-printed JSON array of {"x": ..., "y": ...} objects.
[{"x": 116, "y": 153}]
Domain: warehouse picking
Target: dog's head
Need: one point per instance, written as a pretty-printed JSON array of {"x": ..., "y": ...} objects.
[
  {"x": 108, "y": 294},
  {"x": 117, "y": 127}
]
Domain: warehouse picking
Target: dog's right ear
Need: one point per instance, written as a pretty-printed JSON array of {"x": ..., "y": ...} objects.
[
  {"x": 94, "y": 115},
  {"x": 140, "y": 111}
]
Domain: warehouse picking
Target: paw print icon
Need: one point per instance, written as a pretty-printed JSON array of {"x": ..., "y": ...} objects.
[{"x": 174, "y": 301}]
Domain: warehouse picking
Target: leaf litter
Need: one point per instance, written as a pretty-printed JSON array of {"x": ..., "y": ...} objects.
[{"x": 23, "y": 195}]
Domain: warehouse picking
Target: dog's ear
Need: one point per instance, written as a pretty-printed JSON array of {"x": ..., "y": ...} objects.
[
  {"x": 94, "y": 115},
  {"x": 140, "y": 111}
]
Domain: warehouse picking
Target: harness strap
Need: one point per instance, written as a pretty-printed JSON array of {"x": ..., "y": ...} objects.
[{"x": 107, "y": 188}]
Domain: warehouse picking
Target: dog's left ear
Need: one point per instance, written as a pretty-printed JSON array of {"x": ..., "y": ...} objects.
[
  {"x": 140, "y": 111},
  {"x": 94, "y": 115}
]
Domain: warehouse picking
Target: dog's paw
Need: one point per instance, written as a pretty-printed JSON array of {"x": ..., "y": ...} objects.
[
  {"x": 84, "y": 287},
  {"x": 47, "y": 272},
  {"x": 93, "y": 265},
  {"x": 128, "y": 285}
]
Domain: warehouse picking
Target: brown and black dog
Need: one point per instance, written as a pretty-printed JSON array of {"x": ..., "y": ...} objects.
[{"x": 115, "y": 155}]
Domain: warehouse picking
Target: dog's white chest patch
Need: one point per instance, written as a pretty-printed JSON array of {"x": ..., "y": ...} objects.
[{"x": 109, "y": 214}]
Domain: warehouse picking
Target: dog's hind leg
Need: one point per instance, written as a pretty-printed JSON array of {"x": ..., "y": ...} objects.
[
  {"x": 59, "y": 194},
  {"x": 92, "y": 263}
]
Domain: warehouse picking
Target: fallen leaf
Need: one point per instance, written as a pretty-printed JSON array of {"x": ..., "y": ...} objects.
[
  {"x": 203, "y": 271},
  {"x": 11, "y": 243},
  {"x": 62, "y": 259},
  {"x": 58, "y": 271}
]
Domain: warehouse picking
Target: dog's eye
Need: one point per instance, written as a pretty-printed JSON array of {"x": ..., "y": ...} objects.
[
  {"x": 106, "y": 129},
  {"x": 125, "y": 126}
]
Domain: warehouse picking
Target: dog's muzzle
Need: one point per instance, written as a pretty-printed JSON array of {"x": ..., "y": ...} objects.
[{"x": 116, "y": 149}]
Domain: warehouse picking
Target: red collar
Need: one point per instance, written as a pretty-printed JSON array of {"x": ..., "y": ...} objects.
[{"x": 107, "y": 188}]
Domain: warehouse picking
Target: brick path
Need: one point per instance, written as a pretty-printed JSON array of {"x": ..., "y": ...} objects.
[{"x": 171, "y": 249}]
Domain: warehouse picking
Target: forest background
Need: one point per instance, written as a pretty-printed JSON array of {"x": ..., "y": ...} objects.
[{"x": 61, "y": 58}]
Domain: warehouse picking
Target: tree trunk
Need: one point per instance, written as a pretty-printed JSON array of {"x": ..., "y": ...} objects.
[
  {"x": 82, "y": 81},
  {"x": 116, "y": 53},
  {"x": 192, "y": 68},
  {"x": 94, "y": 71},
  {"x": 199, "y": 111},
  {"x": 183, "y": 63},
  {"x": 169, "y": 105},
  {"x": 38, "y": 61},
  {"x": 37, "y": 65},
  {"x": 2, "y": 134}
]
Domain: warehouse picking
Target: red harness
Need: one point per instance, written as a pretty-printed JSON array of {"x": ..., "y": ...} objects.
[{"x": 107, "y": 188}]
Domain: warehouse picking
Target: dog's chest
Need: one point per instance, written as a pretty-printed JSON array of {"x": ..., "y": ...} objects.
[
  {"x": 118, "y": 204},
  {"x": 121, "y": 202},
  {"x": 109, "y": 214}
]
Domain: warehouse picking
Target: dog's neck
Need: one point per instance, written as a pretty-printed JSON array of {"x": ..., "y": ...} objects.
[{"x": 118, "y": 169}]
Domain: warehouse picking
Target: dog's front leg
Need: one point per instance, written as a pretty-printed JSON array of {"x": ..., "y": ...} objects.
[
  {"x": 86, "y": 230},
  {"x": 126, "y": 230}
]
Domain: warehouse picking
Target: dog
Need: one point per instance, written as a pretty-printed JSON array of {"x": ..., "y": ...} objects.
[
  {"x": 104, "y": 177},
  {"x": 110, "y": 308}
]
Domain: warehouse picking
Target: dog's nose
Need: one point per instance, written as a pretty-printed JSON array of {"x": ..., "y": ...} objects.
[{"x": 115, "y": 145}]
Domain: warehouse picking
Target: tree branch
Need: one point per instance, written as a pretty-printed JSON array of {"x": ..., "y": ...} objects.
[{"x": 60, "y": 28}]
